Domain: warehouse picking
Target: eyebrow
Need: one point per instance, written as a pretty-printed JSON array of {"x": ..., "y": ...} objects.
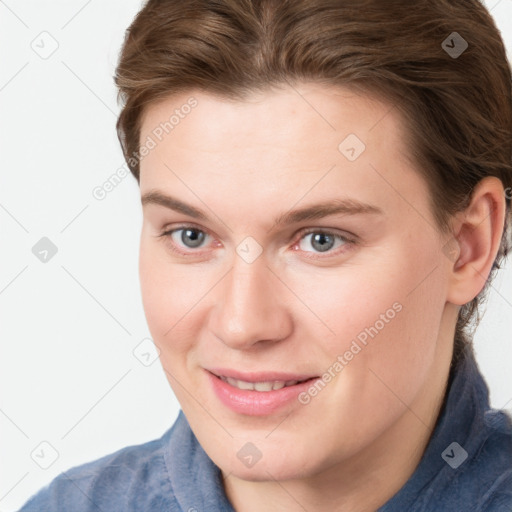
[{"x": 307, "y": 213}]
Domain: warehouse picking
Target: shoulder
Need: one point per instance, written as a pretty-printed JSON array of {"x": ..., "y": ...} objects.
[
  {"x": 127, "y": 479},
  {"x": 495, "y": 459},
  {"x": 487, "y": 475}
]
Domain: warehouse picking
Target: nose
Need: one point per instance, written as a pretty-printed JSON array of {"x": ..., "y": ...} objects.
[{"x": 251, "y": 310}]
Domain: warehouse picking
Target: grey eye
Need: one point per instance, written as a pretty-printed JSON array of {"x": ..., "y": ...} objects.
[
  {"x": 322, "y": 242},
  {"x": 192, "y": 237}
]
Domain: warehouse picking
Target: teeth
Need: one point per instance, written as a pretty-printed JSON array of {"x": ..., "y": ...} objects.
[
  {"x": 259, "y": 386},
  {"x": 263, "y": 386}
]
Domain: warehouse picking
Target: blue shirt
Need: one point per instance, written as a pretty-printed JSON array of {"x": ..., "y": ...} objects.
[{"x": 467, "y": 466}]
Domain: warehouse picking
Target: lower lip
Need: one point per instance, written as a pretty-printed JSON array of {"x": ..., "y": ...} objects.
[{"x": 256, "y": 403}]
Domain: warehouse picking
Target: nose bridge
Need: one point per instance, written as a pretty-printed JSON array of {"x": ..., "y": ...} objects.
[{"x": 249, "y": 309}]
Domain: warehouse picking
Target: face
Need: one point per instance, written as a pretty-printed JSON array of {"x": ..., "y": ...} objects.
[{"x": 292, "y": 275}]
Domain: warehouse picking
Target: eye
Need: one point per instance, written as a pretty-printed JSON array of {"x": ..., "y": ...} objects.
[
  {"x": 322, "y": 241},
  {"x": 184, "y": 239},
  {"x": 190, "y": 237}
]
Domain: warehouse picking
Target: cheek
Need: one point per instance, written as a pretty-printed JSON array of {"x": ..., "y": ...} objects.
[
  {"x": 345, "y": 303},
  {"x": 386, "y": 332},
  {"x": 397, "y": 314},
  {"x": 388, "y": 312},
  {"x": 168, "y": 294}
]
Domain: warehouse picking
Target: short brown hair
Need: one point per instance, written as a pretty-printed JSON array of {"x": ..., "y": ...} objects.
[{"x": 457, "y": 108}]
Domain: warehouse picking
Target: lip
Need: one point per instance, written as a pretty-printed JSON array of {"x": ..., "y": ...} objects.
[{"x": 257, "y": 403}]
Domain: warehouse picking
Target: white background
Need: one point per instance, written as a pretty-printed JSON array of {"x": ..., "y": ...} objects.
[{"x": 68, "y": 328}]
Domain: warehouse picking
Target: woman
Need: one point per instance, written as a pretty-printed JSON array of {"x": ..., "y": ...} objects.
[{"x": 326, "y": 189}]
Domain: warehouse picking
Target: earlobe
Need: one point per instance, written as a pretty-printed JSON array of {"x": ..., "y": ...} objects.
[{"x": 478, "y": 238}]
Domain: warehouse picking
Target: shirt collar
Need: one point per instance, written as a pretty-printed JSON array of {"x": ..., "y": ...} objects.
[{"x": 196, "y": 480}]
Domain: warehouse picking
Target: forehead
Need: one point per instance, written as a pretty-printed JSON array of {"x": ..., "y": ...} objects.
[
  {"x": 307, "y": 139},
  {"x": 287, "y": 118}
]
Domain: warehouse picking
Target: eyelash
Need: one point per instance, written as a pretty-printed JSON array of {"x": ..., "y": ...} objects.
[{"x": 348, "y": 241}]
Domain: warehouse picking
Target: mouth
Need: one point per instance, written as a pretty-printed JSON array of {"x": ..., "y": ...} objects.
[{"x": 258, "y": 394}]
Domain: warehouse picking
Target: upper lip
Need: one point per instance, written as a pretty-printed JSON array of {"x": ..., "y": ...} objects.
[{"x": 259, "y": 376}]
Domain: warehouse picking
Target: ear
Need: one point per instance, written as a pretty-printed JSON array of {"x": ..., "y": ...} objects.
[{"x": 478, "y": 235}]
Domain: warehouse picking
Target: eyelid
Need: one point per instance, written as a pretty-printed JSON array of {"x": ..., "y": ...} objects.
[
  {"x": 167, "y": 230},
  {"x": 349, "y": 237}
]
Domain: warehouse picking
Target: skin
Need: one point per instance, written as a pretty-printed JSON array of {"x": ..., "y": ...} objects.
[{"x": 294, "y": 308}]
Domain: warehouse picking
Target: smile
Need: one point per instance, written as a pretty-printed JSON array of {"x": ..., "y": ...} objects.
[{"x": 257, "y": 394}]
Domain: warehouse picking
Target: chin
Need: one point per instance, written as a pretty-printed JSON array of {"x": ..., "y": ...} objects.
[{"x": 278, "y": 461}]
